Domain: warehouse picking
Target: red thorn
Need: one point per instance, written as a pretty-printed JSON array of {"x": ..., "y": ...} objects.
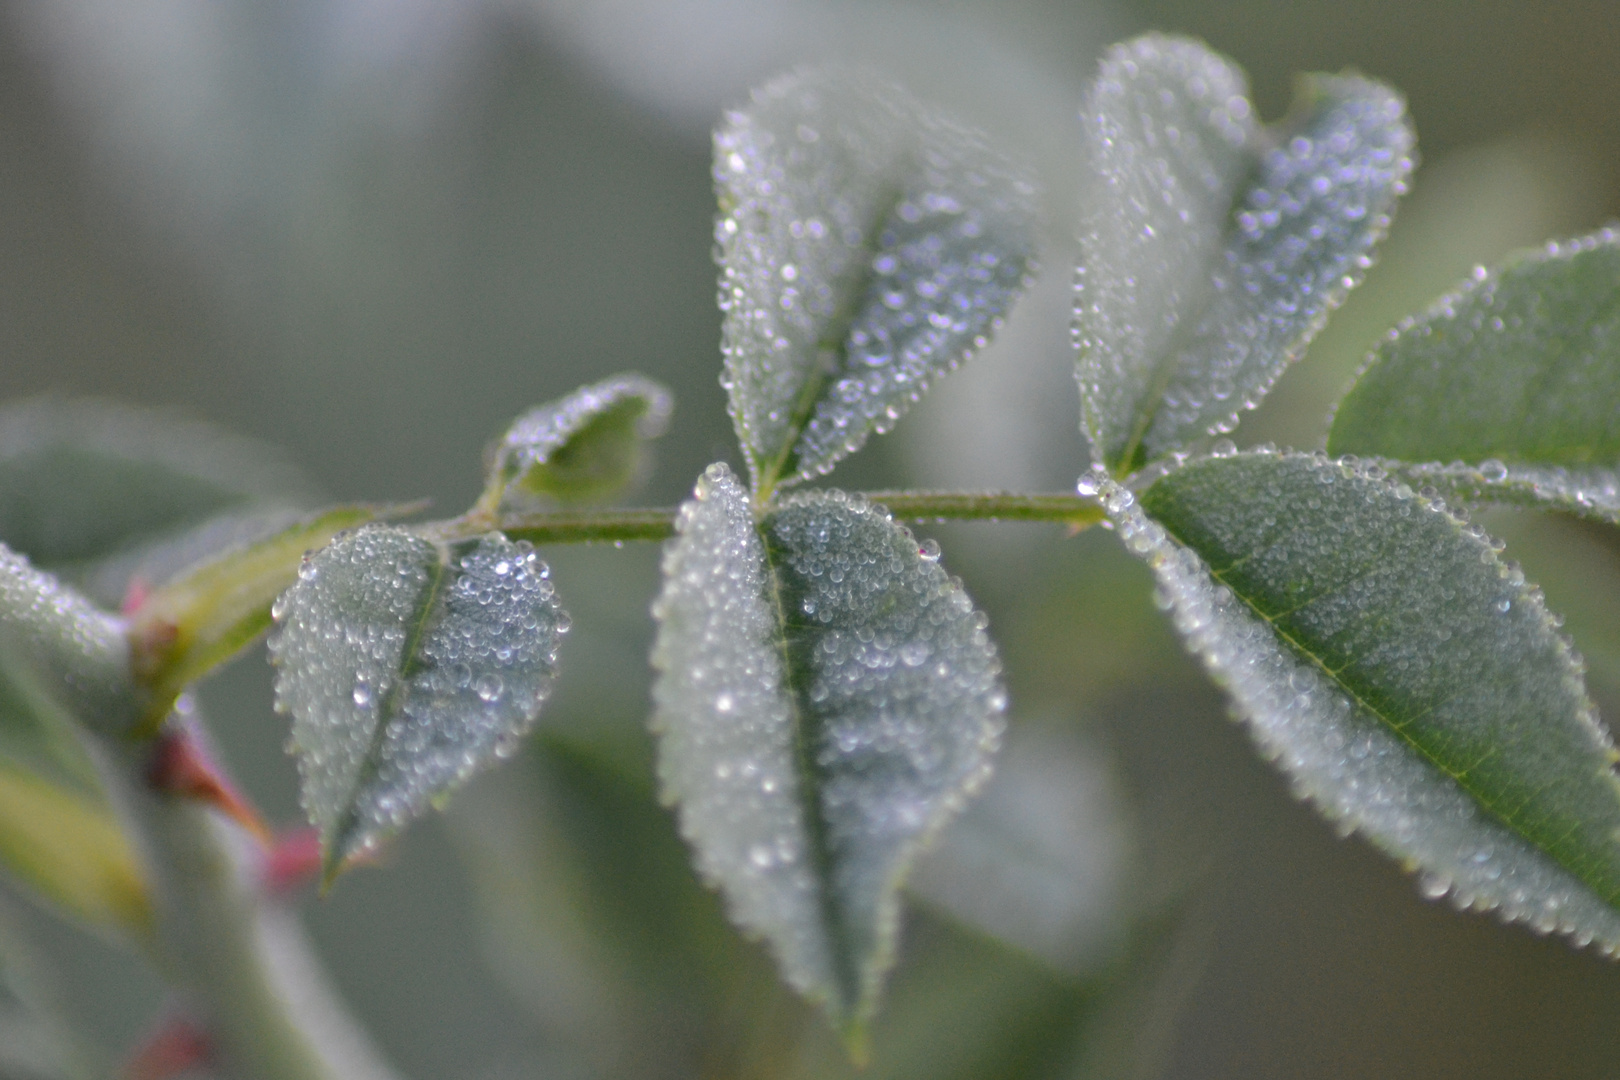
[
  {"x": 177, "y": 1046},
  {"x": 181, "y": 767},
  {"x": 293, "y": 860}
]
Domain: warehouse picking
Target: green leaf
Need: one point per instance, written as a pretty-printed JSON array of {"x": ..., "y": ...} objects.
[
  {"x": 81, "y": 481},
  {"x": 1409, "y": 681},
  {"x": 867, "y": 247},
  {"x": 68, "y": 848},
  {"x": 192, "y": 624},
  {"x": 586, "y": 447},
  {"x": 408, "y": 665},
  {"x": 1212, "y": 249},
  {"x": 67, "y": 650},
  {"x": 1508, "y": 389},
  {"x": 826, "y": 699}
]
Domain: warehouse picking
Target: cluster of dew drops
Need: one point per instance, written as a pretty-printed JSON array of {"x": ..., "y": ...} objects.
[
  {"x": 541, "y": 432},
  {"x": 921, "y": 672},
  {"x": 949, "y": 265},
  {"x": 951, "y": 255},
  {"x": 1360, "y": 775},
  {"x": 483, "y": 666}
]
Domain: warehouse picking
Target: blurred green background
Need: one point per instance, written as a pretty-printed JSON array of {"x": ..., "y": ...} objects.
[{"x": 371, "y": 231}]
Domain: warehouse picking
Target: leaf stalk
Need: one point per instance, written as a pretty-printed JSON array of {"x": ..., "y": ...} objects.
[{"x": 623, "y": 526}]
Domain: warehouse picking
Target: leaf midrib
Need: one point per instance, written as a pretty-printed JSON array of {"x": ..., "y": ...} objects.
[
  {"x": 1133, "y": 454},
  {"x": 808, "y": 783},
  {"x": 834, "y": 339},
  {"x": 1609, "y": 894},
  {"x": 410, "y": 664}
]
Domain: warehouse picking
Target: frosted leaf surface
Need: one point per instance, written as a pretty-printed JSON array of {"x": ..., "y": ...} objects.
[
  {"x": 585, "y": 447},
  {"x": 407, "y": 667},
  {"x": 1508, "y": 389},
  {"x": 1212, "y": 249},
  {"x": 867, "y": 246},
  {"x": 1408, "y": 681},
  {"x": 826, "y": 699},
  {"x": 72, "y": 652}
]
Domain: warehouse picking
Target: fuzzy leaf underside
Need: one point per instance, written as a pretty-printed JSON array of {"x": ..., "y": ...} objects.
[
  {"x": 867, "y": 246},
  {"x": 1407, "y": 680},
  {"x": 1508, "y": 390},
  {"x": 826, "y": 698},
  {"x": 408, "y": 666},
  {"x": 1212, "y": 249},
  {"x": 586, "y": 447}
]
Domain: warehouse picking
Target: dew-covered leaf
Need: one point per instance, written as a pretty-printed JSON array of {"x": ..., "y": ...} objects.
[
  {"x": 408, "y": 665},
  {"x": 1212, "y": 248},
  {"x": 206, "y": 615},
  {"x": 867, "y": 246},
  {"x": 1409, "y": 681},
  {"x": 81, "y": 481},
  {"x": 586, "y": 447},
  {"x": 1507, "y": 390},
  {"x": 65, "y": 649},
  {"x": 67, "y": 847},
  {"x": 826, "y": 698}
]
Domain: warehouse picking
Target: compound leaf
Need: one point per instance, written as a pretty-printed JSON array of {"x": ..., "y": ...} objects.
[
  {"x": 826, "y": 698},
  {"x": 1212, "y": 249},
  {"x": 867, "y": 246},
  {"x": 1507, "y": 390},
  {"x": 586, "y": 447},
  {"x": 1407, "y": 680},
  {"x": 408, "y": 665}
]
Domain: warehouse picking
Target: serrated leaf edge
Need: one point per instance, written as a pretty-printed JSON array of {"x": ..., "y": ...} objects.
[{"x": 1597, "y": 925}]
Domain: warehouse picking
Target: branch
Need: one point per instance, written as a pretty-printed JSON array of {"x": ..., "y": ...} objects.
[
  {"x": 620, "y": 526},
  {"x": 236, "y": 951}
]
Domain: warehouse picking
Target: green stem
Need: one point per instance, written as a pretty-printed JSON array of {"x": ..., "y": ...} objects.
[
  {"x": 240, "y": 955},
  {"x": 619, "y": 526}
]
